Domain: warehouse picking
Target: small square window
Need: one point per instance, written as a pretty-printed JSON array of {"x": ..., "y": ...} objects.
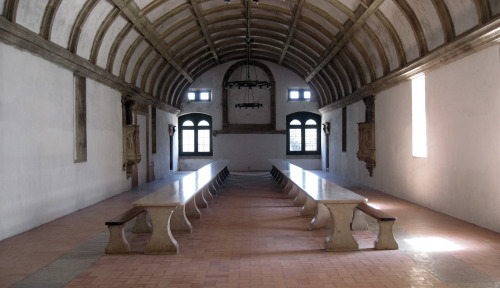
[
  {"x": 307, "y": 94},
  {"x": 299, "y": 94},
  {"x": 200, "y": 96},
  {"x": 204, "y": 96},
  {"x": 294, "y": 94}
]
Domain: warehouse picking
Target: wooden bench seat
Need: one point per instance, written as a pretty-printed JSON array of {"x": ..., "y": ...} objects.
[
  {"x": 117, "y": 242},
  {"x": 125, "y": 216},
  {"x": 385, "y": 238}
]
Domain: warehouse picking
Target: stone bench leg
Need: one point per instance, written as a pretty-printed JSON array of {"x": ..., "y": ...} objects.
[
  {"x": 359, "y": 220},
  {"x": 192, "y": 210},
  {"x": 385, "y": 238},
  {"x": 162, "y": 241},
  {"x": 300, "y": 199},
  {"x": 309, "y": 208},
  {"x": 179, "y": 221},
  {"x": 341, "y": 239},
  {"x": 322, "y": 218},
  {"x": 141, "y": 224},
  {"x": 117, "y": 243}
]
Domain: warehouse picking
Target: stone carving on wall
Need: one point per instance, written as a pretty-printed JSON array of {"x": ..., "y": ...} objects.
[
  {"x": 131, "y": 148},
  {"x": 140, "y": 108},
  {"x": 366, "y": 135}
]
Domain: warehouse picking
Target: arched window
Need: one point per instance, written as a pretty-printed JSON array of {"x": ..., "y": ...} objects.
[
  {"x": 302, "y": 133},
  {"x": 195, "y": 135}
]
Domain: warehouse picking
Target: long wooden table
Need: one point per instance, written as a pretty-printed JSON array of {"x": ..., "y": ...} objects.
[
  {"x": 167, "y": 206},
  {"x": 340, "y": 203}
]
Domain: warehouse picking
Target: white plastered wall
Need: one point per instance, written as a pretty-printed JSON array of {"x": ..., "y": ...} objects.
[
  {"x": 38, "y": 177},
  {"x": 249, "y": 151},
  {"x": 459, "y": 176}
]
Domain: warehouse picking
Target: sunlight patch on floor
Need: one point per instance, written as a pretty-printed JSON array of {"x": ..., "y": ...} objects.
[{"x": 433, "y": 244}]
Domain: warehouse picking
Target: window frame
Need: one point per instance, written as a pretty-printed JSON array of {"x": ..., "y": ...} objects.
[
  {"x": 303, "y": 117},
  {"x": 196, "y": 118},
  {"x": 301, "y": 94},
  {"x": 198, "y": 93}
]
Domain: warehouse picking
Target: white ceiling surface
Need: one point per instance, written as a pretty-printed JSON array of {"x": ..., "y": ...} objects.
[{"x": 337, "y": 45}]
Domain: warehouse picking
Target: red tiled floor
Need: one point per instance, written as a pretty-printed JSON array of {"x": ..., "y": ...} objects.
[{"x": 251, "y": 236}]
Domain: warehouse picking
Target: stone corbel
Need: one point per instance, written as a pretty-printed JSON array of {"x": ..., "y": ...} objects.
[
  {"x": 366, "y": 135},
  {"x": 326, "y": 128},
  {"x": 171, "y": 130}
]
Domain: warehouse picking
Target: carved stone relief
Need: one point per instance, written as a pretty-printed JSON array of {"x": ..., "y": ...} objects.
[
  {"x": 366, "y": 137},
  {"x": 131, "y": 139},
  {"x": 131, "y": 148},
  {"x": 140, "y": 108}
]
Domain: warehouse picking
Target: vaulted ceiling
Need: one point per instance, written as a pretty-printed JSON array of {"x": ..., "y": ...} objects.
[{"x": 343, "y": 48}]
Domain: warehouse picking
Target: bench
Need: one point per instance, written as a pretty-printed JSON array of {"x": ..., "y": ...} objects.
[
  {"x": 117, "y": 242},
  {"x": 385, "y": 238},
  {"x": 170, "y": 206},
  {"x": 323, "y": 199}
]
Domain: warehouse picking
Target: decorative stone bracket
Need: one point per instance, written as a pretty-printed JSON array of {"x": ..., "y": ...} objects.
[{"x": 366, "y": 135}]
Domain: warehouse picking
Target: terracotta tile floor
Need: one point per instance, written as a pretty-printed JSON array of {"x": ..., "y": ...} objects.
[{"x": 251, "y": 236}]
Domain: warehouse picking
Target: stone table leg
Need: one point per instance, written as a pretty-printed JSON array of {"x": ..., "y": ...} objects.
[
  {"x": 215, "y": 184},
  {"x": 341, "y": 238},
  {"x": 206, "y": 193},
  {"x": 359, "y": 221},
  {"x": 179, "y": 221},
  {"x": 211, "y": 188},
  {"x": 288, "y": 187},
  {"x": 293, "y": 192},
  {"x": 309, "y": 208},
  {"x": 191, "y": 209},
  {"x": 300, "y": 199},
  {"x": 322, "y": 218},
  {"x": 162, "y": 241},
  {"x": 141, "y": 224},
  {"x": 200, "y": 200}
]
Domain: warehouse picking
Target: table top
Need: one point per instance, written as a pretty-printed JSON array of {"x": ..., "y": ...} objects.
[
  {"x": 182, "y": 190},
  {"x": 319, "y": 189}
]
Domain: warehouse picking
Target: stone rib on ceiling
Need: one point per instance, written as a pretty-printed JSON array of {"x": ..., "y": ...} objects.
[{"x": 337, "y": 46}]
